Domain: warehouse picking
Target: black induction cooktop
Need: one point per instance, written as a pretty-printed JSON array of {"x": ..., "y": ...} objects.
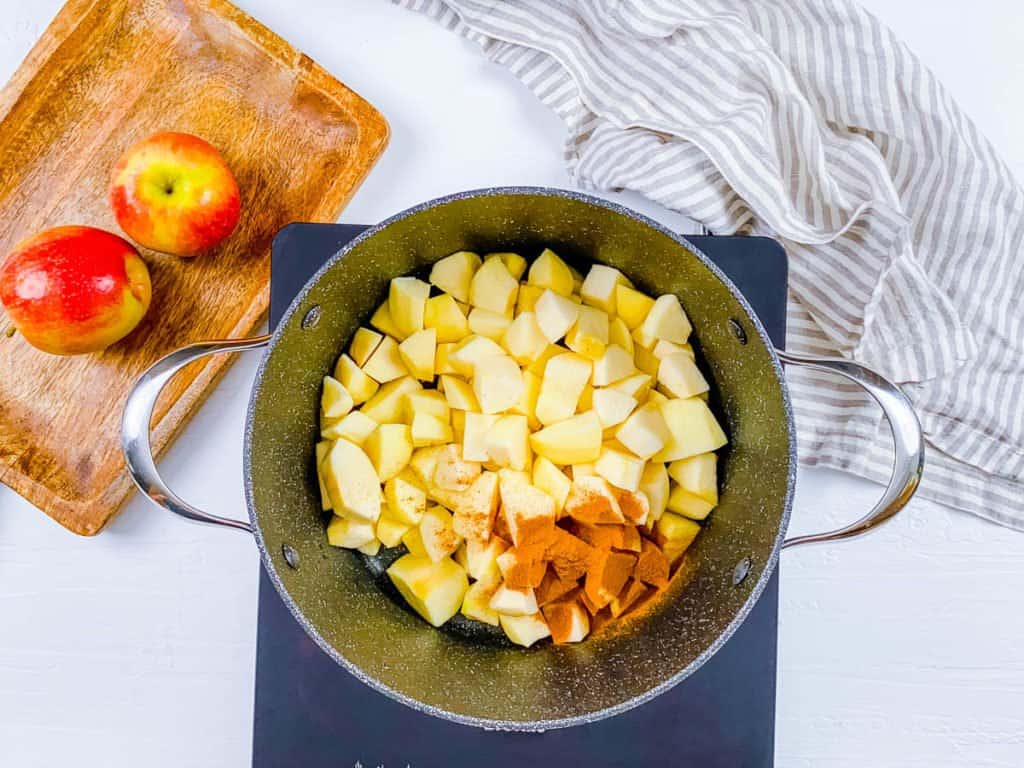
[{"x": 311, "y": 713}]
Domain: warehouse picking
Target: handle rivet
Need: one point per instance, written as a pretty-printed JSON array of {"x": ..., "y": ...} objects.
[
  {"x": 290, "y": 556},
  {"x": 311, "y": 318},
  {"x": 741, "y": 571},
  {"x": 738, "y": 330}
]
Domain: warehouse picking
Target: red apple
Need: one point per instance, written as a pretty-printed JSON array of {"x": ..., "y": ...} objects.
[
  {"x": 174, "y": 193},
  {"x": 71, "y": 290}
]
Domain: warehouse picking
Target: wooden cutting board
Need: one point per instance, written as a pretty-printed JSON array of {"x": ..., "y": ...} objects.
[{"x": 105, "y": 74}]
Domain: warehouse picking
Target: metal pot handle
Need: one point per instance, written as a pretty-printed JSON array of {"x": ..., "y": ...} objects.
[
  {"x": 138, "y": 413},
  {"x": 908, "y": 440}
]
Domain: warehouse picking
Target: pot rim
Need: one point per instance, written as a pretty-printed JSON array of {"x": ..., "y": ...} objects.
[{"x": 490, "y": 723}]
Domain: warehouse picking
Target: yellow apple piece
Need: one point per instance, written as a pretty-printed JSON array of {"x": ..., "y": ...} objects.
[
  {"x": 349, "y": 532},
  {"x": 383, "y": 322},
  {"x": 480, "y": 558},
  {"x": 471, "y": 351},
  {"x": 418, "y": 352},
  {"x": 494, "y": 288},
  {"x": 389, "y": 448},
  {"x": 433, "y": 590},
  {"x": 692, "y": 429},
  {"x": 474, "y": 439},
  {"x": 529, "y": 512},
  {"x": 598, "y": 289},
  {"x": 674, "y": 534},
  {"x": 320, "y": 450},
  {"x": 429, "y": 430},
  {"x": 646, "y": 360},
  {"x": 538, "y": 365},
  {"x": 407, "y": 299},
  {"x": 654, "y": 397},
  {"x": 430, "y": 401},
  {"x": 525, "y": 630},
  {"x": 550, "y": 479},
  {"x": 549, "y": 271},
  {"x": 498, "y": 384},
  {"x": 663, "y": 349},
  {"x": 451, "y": 471},
  {"x": 583, "y": 469},
  {"x": 523, "y": 339},
  {"x": 453, "y": 274},
  {"x": 352, "y": 483},
  {"x": 514, "y": 602},
  {"x": 576, "y": 440},
  {"x": 389, "y": 405},
  {"x": 555, "y": 315},
  {"x": 618, "y": 333},
  {"x": 476, "y": 604},
  {"x": 437, "y": 533},
  {"x": 637, "y": 385},
  {"x": 654, "y": 485},
  {"x": 589, "y": 335},
  {"x": 364, "y": 342},
  {"x": 619, "y": 468},
  {"x": 679, "y": 376},
  {"x": 697, "y": 475},
  {"x": 667, "y": 321},
  {"x": 612, "y": 407},
  {"x": 586, "y": 401},
  {"x": 563, "y": 381},
  {"x": 684, "y": 503},
  {"x": 355, "y": 427},
  {"x": 475, "y": 508},
  {"x": 405, "y": 499},
  {"x": 508, "y": 442},
  {"x": 614, "y": 365},
  {"x": 644, "y": 432},
  {"x": 423, "y": 463},
  {"x": 335, "y": 401},
  {"x": 514, "y": 263},
  {"x": 483, "y": 322},
  {"x": 527, "y": 405},
  {"x": 441, "y": 364},
  {"x": 386, "y": 364},
  {"x": 390, "y": 531},
  {"x": 632, "y": 305},
  {"x": 358, "y": 383},
  {"x": 413, "y": 542},
  {"x": 442, "y": 313},
  {"x": 528, "y": 296},
  {"x": 459, "y": 394},
  {"x": 370, "y": 548}
]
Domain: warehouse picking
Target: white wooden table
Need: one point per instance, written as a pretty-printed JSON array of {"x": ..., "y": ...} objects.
[{"x": 137, "y": 647}]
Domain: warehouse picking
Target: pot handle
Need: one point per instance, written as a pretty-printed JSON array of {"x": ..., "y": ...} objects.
[
  {"x": 908, "y": 440},
  {"x": 138, "y": 413}
]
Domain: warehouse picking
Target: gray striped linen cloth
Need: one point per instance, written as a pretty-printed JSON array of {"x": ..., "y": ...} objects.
[{"x": 810, "y": 122}]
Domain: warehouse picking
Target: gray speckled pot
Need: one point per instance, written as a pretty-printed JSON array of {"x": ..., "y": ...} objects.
[{"x": 336, "y": 597}]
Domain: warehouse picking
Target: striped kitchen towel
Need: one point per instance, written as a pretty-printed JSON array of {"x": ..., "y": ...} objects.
[{"x": 809, "y": 121}]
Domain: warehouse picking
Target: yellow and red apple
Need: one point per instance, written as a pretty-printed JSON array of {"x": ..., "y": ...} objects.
[
  {"x": 174, "y": 193},
  {"x": 71, "y": 290}
]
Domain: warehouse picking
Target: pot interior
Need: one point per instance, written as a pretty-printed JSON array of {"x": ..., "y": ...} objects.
[{"x": 446, "y": 672}]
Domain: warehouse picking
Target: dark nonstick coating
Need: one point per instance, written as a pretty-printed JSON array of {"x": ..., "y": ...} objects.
[{"x": 336, "y": 598}]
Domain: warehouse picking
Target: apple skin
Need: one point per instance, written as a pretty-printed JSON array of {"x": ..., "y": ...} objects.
[
  {"x": 73, "y": 290},
  {"x": 174, "y": 193}
]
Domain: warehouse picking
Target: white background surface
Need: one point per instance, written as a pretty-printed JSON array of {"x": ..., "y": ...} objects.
[{"x": 137, "y": 647}]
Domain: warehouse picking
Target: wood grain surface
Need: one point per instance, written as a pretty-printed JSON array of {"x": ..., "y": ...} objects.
[{"x": 104, "y": 75}]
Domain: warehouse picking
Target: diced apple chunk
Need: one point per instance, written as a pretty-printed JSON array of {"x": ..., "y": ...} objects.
[
  {"x": 563, "y": 381},
  {"x": 389, "y": 448},
  {"x": 508, "y": 442},
  {"x": 335, "y": 401},
  {"x": 370, "y": 548},
  {"x": 453, "y": 274},
  {"x": 550, "y": 479},
  {"x": 589, "y": 335},
  {"x": 684, "y": 503},
  {"x": 442, "y": 313},
  {"x": 527, "y": 405},
  {"x": 592, "y": 500},
  {"x": 352, "y": 483},
  {"x": 655, "y": 486},
  {"x": 407, "y": 298},
  {"x": 354, "y": 427},
  {"x": 523, "y": 339},
  {"x": 437, "y": 533},
  {"x": 451, "y": 471},
  {"x": 525, "y": 630},
  {"x": 459, "y": 394},
  {"x": 391, "y": 531},
  {"x": 476, "y": 604},
  {"x": 528, "y": 511},
  {"x": 364, "y": 342},
  {"x": 471, "y": 352},
  {"x": 674, "y": 534},
  {"x": 667, "y": 320},
  {"x": 349, "y": 532},
  {"x": 598, "y": 288},
  {"x": 618, "y": 333},
  {"x": 405, "y": 499},
  {"x": 474, "y": 439},
  {"x": 424, "y": 462},
  {"x": 514, "y": 602},
  {"x": 528, "y": 296},
  {"x": 498, "y": 385},
  {"x": 429, "y": 430},
  {"x": 555, "y": 315},
  {"x": 480, "y": 558},
  {"x": 698, "y": 475},
  {"x": 612, "y": 407},
  {"x": 386, "y": 364},
  {"x": 483, "y": 322},
  {"x": 476, "y": 506},
  {"x": 637, "y": 385},
  {"x": 494, "y": 288},
  {"x": 614, "y": 365},
  {"x": 433, "y": 590},
  {"x": 632, "y": 306},
  {"x": 679, "y": 376},
  {"x": 320, "y": 451},
  {"x": 430, "y": 401},
  {"x": 575, "y": 440},
  {"x": 384, "y": 323},
  {"x": 418, "y": 352},
  {"x": 514, "y": 263},
  {"x": 360, "y": 386},
  {"x": 567, "y": 620},
  {"x": 644, "y": 432},
  {"x": 692, "y": 428},
  {"x": 389, "y": 405},
  {"x": 620, "y": 469},
  {"x": 549, "y": 271}
]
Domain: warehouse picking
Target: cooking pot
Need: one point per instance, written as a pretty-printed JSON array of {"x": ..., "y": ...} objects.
[{"x": 449, "y": 673}]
